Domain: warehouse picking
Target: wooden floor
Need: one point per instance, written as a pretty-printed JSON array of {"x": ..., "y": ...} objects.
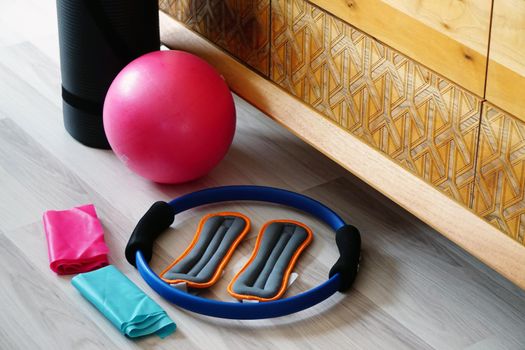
[{"x": 415, "y": 288}]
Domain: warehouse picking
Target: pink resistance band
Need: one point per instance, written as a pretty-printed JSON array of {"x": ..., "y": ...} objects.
[{"x": 75, "y": 240}]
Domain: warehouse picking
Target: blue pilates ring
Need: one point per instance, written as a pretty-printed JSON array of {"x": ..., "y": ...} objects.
[{"x": 161, "y": 215}]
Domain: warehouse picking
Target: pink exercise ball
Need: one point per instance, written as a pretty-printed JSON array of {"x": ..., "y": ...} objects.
[{"x": 169, "y": 116}]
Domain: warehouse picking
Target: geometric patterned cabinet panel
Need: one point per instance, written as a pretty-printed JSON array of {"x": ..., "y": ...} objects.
[
  {"x": 500, "y": 180},
  {"x": 240, "y": 27},
  {"x": 416, "y": 117}
]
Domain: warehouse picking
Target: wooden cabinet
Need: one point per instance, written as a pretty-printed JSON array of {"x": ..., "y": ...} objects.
[
  {"x": 241, "y": 27},
  {"x": 397, "y": 91},
  {"x": 419, "y": 119},
  {"x": 449, "y": 37},
  {"x": 499, "y": 194},
  {"x": 506, "y": 69},
  {"x": 500, "y": 181}
]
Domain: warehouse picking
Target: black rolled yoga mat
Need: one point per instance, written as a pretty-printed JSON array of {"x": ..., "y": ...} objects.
[{"x": 97, "y": 39}]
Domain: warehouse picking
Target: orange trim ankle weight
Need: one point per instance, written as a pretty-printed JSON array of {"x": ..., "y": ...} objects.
[
  {"x": 283, "y": 240},
  {"x": 202, "y": 263}
]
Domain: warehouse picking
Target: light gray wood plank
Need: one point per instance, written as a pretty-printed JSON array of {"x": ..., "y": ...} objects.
[
  {"x": 31, "y": 20},
  {"x": 29, "y": 176},
  {"x": 422, "y": 279},
  {"x": 36, "y": 313},
  {"x": 29, "y": 63}
]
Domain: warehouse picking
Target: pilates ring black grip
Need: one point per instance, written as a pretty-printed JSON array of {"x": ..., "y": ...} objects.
[{"x": 161, "y": 215}]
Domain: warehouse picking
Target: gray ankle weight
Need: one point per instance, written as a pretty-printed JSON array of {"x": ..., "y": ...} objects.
[
  {"x": 264, "y": 277},
  {"x": 202, "y": 263}
]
